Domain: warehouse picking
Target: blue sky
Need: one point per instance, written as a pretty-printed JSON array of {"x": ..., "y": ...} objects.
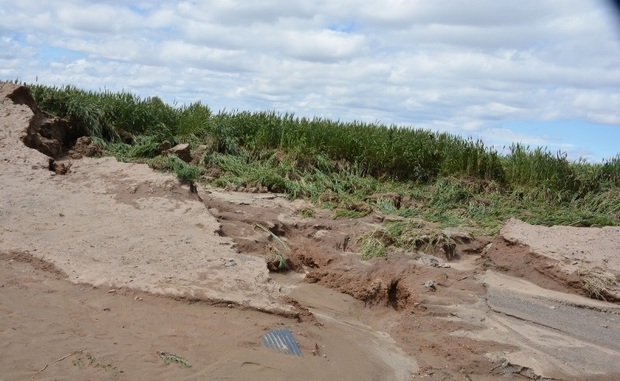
[{"x": 540, "y": 72}]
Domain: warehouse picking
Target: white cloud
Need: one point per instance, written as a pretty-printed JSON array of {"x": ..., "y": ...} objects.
[
  {"x": 462, "y": 67},
  {"x": 98, "y": 19},
  {"x": 243, "y": 13},
  {"x": 323, "y": 45},
  {"x": 10, "y": 49}
]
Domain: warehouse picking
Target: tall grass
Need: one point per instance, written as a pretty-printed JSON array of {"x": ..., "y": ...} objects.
[
  {"x": 306, "y": 156},
  {"x": 111, "y": 115},
  {"x": 395, "y": 152}
]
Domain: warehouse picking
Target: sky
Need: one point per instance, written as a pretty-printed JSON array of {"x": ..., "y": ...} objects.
[{"x": 539, "y": 72}]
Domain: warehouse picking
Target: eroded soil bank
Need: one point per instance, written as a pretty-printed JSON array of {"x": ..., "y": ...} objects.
[{"x": 106, "y": 265}]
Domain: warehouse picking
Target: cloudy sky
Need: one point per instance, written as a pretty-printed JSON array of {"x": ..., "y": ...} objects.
[{"x": 540, "y": 72}]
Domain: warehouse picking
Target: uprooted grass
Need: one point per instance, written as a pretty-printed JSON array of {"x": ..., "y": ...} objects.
[
  {"x": 281, "y": 262},
  {"x": 409, "y": 236},
  {"x": 372, "y": 247},
  {"x": 600, "y": 285}
]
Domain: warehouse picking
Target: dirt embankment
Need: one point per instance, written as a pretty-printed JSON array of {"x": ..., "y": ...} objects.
[
  {"x": 584, "y": 261},
  {"x": 130, "y": 238}
]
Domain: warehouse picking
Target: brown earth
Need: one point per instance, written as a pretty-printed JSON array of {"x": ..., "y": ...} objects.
[{"x": 104, "y": 266}]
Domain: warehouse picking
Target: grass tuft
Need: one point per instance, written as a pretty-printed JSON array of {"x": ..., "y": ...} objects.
[{"x": 185, "y": 172}]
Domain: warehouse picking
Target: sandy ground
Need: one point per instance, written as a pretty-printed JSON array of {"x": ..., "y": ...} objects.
[
  {"x": 108, "y": 266},
  {"x": 117, "y": 335}
]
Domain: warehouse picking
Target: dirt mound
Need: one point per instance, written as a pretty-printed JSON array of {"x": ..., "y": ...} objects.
[
  {"x": 84, "y": 147},
  {"x": 390, "y": 284},
  {"x": 112, "y": 224},
  {"x": 46, "y": 133}
]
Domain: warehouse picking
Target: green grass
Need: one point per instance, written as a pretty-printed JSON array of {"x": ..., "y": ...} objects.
[
  {"x": 185, "y": 172},
  {"x": 442, "y": 178}
]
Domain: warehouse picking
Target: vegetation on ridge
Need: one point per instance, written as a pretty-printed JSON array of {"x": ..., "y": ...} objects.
[{"x": 437, "y": 177}]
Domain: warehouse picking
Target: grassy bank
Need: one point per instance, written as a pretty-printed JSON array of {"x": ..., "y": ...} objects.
[{"x": 353, "y": 168}]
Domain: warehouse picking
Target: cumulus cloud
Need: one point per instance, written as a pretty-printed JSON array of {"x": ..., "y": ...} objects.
[{"x": 461, "y": 67}]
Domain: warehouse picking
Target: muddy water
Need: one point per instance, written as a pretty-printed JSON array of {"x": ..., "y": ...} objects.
[{"x": 345, "y": 311}]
